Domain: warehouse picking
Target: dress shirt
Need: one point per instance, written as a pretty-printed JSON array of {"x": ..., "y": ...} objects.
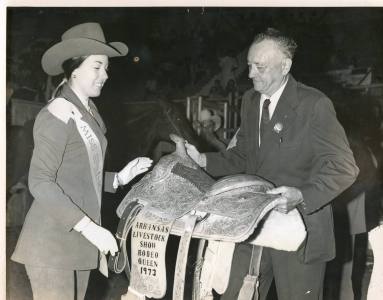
[{"x": 274, "y": 98}]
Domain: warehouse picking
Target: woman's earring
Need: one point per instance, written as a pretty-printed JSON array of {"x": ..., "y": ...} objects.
[{"x": 74, "y": 76}]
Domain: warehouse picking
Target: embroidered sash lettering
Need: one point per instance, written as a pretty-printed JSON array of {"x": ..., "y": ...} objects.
[{"x": 94, "y": 150}]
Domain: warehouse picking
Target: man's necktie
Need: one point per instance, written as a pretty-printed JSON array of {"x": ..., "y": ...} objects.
[{"x": 265, "y": 118}]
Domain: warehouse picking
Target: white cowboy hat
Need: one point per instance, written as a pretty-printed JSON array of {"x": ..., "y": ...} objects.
[
  {"x": 80, "y": 40},
  {"x": 208, "y": 115}
]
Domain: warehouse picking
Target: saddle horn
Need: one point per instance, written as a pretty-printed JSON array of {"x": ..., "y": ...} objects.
[{"x": 180, "y": 144}]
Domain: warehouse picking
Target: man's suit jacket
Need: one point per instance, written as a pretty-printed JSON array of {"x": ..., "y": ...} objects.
[
  {"x": 355, "y": 209},
  {"x": 310, "y": 152},
  {"x": 61, "y": 183}
]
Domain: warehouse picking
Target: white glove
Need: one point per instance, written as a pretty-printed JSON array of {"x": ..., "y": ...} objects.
[
  {"x": 133, "y": 168},
  {"x": 100, "y": 237},
  {"x": 195, "y": 155}
]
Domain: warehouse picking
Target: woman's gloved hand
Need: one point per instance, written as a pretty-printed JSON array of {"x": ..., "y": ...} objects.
[
  {"x": 133, "y": 168},
  {"x": 100, "y": 237}
]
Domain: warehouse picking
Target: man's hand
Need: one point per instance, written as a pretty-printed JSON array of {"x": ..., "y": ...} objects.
[
  {"x": 198, "y": 157},
  {"x": 17, "y": 188},
  {"x": 133, "y": 168},
  {"x": 289, "y": 198}
]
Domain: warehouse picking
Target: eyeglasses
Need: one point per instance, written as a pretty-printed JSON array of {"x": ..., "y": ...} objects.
[{"x": 260, "y": 68}]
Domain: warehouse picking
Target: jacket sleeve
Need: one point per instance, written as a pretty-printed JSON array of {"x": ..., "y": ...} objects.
[
  {"x": 333, "y": 168},
  {"x": 227, "y": 162},
  {"x": 233, "y": 160},
  {"x": 50, "y": 140},
  {"x": 108, "y": 182}
]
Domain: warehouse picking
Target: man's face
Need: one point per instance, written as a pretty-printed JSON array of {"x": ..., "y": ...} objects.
[{"x": 268, "y": 67}]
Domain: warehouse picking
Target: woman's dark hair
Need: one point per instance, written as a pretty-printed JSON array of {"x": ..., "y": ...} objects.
[
  {"x": 72, "y": 64},
  {"x": 68, "y": 66}
]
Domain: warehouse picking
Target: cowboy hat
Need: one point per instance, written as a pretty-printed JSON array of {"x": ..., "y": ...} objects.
[
  {"x": 80, "y": 40},
  {"x": 207, "y": 115}
]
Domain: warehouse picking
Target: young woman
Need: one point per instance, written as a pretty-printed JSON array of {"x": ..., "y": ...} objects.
[{"x": 62, "y": 239}]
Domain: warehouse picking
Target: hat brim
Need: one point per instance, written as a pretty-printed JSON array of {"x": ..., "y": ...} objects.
[{"x": 54, "y": 57}]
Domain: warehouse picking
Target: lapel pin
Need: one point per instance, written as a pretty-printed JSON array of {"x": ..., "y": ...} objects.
[{"x": 278, "y": 127}]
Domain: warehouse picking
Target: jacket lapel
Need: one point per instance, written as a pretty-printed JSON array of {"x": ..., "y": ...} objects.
[
  {"x": 251, "y": 119},
  {"x": 283, "y": 117},
  {"x": 254, "y": 116},
  {"x": 95, "y": 121},
  {"x": 97, "y": 116}
]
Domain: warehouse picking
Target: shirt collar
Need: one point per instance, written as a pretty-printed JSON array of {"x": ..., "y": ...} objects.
[{"x": 275, "y": 97}]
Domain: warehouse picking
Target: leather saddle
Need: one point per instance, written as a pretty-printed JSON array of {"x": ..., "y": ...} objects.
[{"x": 178, "y": 197}]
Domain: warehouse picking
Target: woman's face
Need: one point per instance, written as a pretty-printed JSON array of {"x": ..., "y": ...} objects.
[{"x": 89, "y": 78}]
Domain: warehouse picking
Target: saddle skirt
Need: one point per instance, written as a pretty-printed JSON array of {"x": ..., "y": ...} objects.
[{"x": 230, "y": 209}]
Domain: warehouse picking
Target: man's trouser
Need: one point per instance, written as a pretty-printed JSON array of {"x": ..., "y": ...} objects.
[
  {"x": 57, "y": 284},
  {"x": 293, "y": 279}
]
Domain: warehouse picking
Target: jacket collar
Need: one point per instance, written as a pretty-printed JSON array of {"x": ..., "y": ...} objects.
[
  {"x": 286, "y": 105},
  {"x": 283, "y": 117},
  {"x": 71, "y": 96}
]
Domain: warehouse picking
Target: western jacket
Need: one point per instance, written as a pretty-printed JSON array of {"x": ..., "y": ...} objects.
[{"x": 61, "y": 183}]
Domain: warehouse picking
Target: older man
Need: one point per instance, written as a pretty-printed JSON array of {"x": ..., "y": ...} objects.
[{"x": 289, "y": 135}]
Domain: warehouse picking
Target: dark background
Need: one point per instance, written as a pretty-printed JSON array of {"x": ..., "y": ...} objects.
[
  {"x": 170, "y": 40},
  {"x": 170, "y": 43},
  {"x": 180, "y": 48}
]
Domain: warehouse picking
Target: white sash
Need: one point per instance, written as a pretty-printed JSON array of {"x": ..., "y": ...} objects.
[
  {"x": 94, "y": 150},
  {"x": 60, "y": 109},
  {"x": 96, "y": 161},
  {"x": 65, "y": 110}
]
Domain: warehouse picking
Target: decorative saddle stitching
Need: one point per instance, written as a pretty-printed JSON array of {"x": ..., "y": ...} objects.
[{"x": 172, "y": 198}]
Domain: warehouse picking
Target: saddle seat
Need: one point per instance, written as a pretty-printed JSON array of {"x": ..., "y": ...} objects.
[{"x": 178, "y": 197}]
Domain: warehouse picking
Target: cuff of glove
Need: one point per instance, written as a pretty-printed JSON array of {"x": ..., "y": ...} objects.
[
  {"x": 118, "y": 181},
  {"x": 84, "y": 222}
]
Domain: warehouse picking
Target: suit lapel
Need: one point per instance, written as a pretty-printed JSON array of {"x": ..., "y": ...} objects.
[
  {"x": 97, "y": 116},
  {"x": 284, "y": 115},
  {"x": 252, "y": 123},
  {"x": 95, "y": 122},
  {"x": 254, "y": 115}
]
